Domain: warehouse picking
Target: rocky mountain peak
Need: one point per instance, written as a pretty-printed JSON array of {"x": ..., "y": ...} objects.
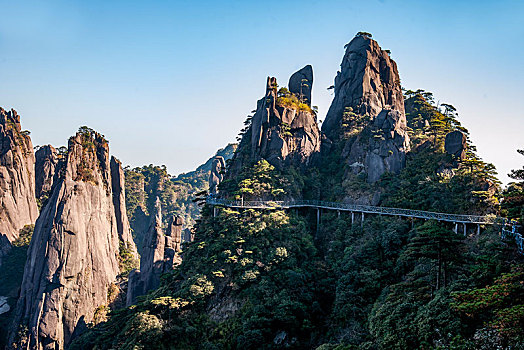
[
  {"x": 88, "y": 157},
  {"x": 73, "y": 261},
  {"x": 284, "y": 128},
  {"x": 17, "y": 180},
  {"x": 367, "y": 113}
]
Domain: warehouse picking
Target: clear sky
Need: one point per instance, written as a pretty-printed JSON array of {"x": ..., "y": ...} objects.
[{"x": 170, "y": 82}]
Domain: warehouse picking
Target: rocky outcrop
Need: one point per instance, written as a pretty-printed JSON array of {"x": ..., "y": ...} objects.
[
  {"x": 367, "y": 113},
  {"x": 217, "y": 174},
  {"x": 456, "y": 144},
  {"x": 4, "y": 305},
  {"x": 17, "y": 180},
  {"x": 173, "y": 245},
  {"x": 45, "y": 170},
  {"x": 301, "y": 84},
  {"x": 283, "y": 131},
  {"x": 160, "y": 252},
  {"x": 73, "y": 259}
]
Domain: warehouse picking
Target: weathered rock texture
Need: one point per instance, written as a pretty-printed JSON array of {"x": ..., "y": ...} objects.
[
  {"x": 301, "y": 83},
  {"x": 45, "y": 166},
  {"x": 17, "y": 180},
  {"x": 160, "y": 252},
  {"x": 282, "y": 133},
  {"x": 73, "y": 258},
  {"x": 456, "y": 144},
  {"x": 367, "y": 112},
  {"x": 217, "y": 174}
]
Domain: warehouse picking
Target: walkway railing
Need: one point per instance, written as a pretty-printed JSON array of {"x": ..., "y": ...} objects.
[
  {"x": 510, "y": 235},
  {"x": 455, "y": 218}
]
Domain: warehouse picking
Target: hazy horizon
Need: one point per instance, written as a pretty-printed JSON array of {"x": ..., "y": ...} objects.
[{"x": 171, "y": 83}]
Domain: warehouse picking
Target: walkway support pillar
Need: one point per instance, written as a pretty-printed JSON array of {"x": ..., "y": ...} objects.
[
  {"x": 478, "y": 229},
  {"x": 362, "y": 223},
  {"x": 465, "y": 230},
  {"x": 352, "y": 218},
  {"x": 318, "y": 219},
  {"x": 456, "y": 227}
]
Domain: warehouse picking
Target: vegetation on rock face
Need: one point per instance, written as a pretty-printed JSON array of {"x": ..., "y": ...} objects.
[
  {"x": 289, "y": 100},
  {"x": 11, "y": 274}
]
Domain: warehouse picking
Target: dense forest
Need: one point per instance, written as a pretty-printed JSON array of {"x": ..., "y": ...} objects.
[{"x": 274, "y": 279}]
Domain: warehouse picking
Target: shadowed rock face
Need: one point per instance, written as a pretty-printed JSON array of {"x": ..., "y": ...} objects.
[
  {"x": 282, "y": 135},
  {"x": 160, "y": 252},
  {"x": 73, "y": 257},
  {"x": 456, "y": 144},
  {"x": 17, "y": 180},
  {"x": 45, "y": 174},
  {"x": 216, "y": 176},
  {"x": 368, "y": 98}
]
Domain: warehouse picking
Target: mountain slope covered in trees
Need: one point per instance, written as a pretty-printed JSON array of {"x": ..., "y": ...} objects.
[{"x": 275, "y": 279}]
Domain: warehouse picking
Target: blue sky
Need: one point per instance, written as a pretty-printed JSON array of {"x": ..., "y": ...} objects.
[{"x": 170, "y": 82}]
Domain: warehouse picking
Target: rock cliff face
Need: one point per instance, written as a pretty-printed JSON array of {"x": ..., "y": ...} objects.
[
  {"x": 284, "y": 129},
  {"x": 159, "y": 255},
  {"x": 45, "y": 166},
  {"x": 216, "y": 176},
  {"x": 73, "y": 259},
  {"x": 17, "y": 180},
  {"x": 367, "y": 113},
  {"x": 119, "y": 203}
]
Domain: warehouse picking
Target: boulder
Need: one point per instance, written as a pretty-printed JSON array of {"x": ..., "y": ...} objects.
[{"x": 456, "y": 144}]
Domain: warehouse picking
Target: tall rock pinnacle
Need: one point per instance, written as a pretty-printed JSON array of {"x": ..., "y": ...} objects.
[
  {"x": 73, "y": 259},
  {"x": 301, "y": 83},
  {"x": 17, "y": 180},
  {"x": 367, "y": 112},
  {"x": 284, "y": 128}
]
